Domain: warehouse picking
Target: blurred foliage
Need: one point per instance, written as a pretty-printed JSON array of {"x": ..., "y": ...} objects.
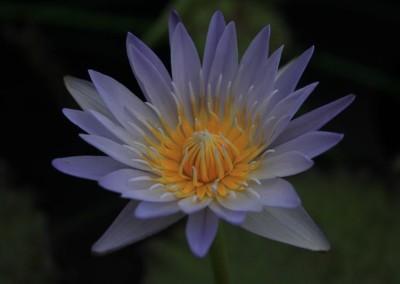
[
  {"x": 359, "y": 218},
  {"x": 24, "y": 246}
]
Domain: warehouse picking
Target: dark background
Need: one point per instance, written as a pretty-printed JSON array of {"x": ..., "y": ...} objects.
[{"x": 49, "y": 220}]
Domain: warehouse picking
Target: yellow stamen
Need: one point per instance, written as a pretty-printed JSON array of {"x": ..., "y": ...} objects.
[{"x": 210, "y": 155}]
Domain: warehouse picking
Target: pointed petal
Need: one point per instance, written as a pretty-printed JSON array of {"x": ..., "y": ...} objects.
[
  {"x": 185, "y": 66},
  {"x": 265, "y": 80},
  {"x": 86, "y": 95},
  {"x": 254, "y": 59},
  {"x": 193, "y": 204},
  {"x": 201, "y": 229},
  {"x": 133, "y": 41},
  {"x": 233, "y": 217},
  {"x": 89, "y": 167},
  {"x": 290, "y": 104},
  {"x": 173, "y": 21},
  {"x": 127, "y": 137},
  {"x": 288, "y": 79},
  {"x": 314, "y": 119},
  {"x": 116, "y": 151},
  {"x": 147, "y": 210},
  {"x": 292, "y": 226},
  {"x": 153, "y": 78},
  {"x": 311, "y": 144},
  {"x": 119, "y": 99},
  {"x": 127, "y": 229},
  {"x": 88, "y": 123},
  {"x": 215, "y": 30},
  {"x": 281, "y": 165},
  {"x": 225, "y": 61},
  {"x": 277, "y": 193}
]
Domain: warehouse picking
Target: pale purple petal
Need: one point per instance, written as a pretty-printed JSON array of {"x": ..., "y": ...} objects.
[
  {"x": 215, "y": 31},
  {"x": 122, "y": 134},
  {"x": 137, "y": 185},
  {"x": 201, "y": 229},
  {"x": 240, "y": 201},
  {"x": 281, "y": 165},
  {"x": 128, "y": 180},
  {"x": 89, "y": 167},
  {"x": 311, "y": 144},
  {"x": 127, "y": 229},
  {"x": 86, "y": 95},
  {"x": 154, "y": 82},
  {"x": 225, "y": 61},
  {"x": 233, "y": 217},
  {"x": 152, "y": 195},
  {"x": 119, "y": 99},
  {"x": 264, "y": 81},
  {"x": 288, "y": 79},
  {"x": 193, "y": 204},
  {"x": 117, "y": 151},
  {"x": 290, "y": 104},
  {"x": 314, "y": 119},
  {"x": 277, "y": 193},
  {"x": 253, "y": 60},
  {"x": 173, "y": 21},
  {"x": 133, "y": 41},
  {"x": 185, "y": 66},
  {"x": 288, "y": 225},
  {"x": 147, "y": 210},
  {"x": 88, "y": 123}
]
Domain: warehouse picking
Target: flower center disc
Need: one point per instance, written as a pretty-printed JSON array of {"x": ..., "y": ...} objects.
[{"x": 206, "y": 158}]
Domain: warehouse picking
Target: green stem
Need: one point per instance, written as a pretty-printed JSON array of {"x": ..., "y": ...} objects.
[{"x": 219, "y": 260}]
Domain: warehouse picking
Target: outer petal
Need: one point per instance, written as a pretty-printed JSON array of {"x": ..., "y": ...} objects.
[
  {"x": 127, "y": 229},
  {"x": 281, "y": 165},
  {"x": 133, "y": 41},
  {"x": 290, "y": 104},
  {"x": 136, "y": 185},
  {"x": 127, "y": 137},
  {"x": 215, "y": 31},
  {"x": 233, "y": 217},
  {"x": 311, "y": 144},
  {"x": 173, "y": 21},
  {"x": 277, "y": 193},
  {"x": 88, "y": 123},
  {"x": 89, "y": 167},
  {"x": 292, "y": 226},
  {"x": 153, "y": 78},
  {"x": 116, "y": 151},
  {"x": 201, "y": 229},
  {"x": 147, "y": 210},
  {"x": 86, "y": 95},
  {"x": 288, "y": 79},
  {"x": 119, "y": 99},
  {"x": 314, "y": 120}
]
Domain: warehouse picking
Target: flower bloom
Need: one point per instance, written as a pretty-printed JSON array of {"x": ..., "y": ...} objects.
[{"x": 212, "y": 142}]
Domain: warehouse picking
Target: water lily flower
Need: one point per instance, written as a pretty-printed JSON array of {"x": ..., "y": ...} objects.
[{"x": 212, "y": 142}]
